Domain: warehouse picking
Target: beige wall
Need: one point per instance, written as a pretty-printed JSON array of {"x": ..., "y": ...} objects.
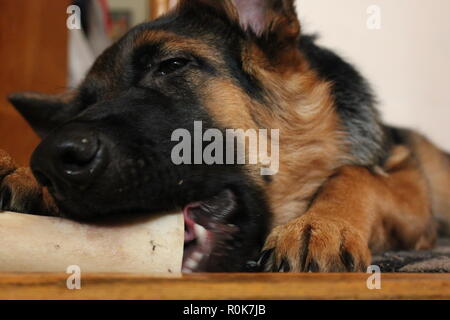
[
  {"x": 139, "y": 7},
  {"x": 407, "y": 60}
]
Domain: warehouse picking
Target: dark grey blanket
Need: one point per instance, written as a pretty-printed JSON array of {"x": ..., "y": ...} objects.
[{"x": 430, "y": 261}]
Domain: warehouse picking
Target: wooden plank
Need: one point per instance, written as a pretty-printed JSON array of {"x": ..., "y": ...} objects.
[
  {"x": 225, "y": 286},
  {"x": 33, "y": 40}
]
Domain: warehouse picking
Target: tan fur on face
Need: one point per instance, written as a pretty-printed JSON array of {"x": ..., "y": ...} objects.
[
  {"x": 301, "y": 107},
  {"x": 296, "y": 102}
]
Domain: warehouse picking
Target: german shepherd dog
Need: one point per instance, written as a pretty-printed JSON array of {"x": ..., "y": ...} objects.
[{"x": 348, "y": 186}]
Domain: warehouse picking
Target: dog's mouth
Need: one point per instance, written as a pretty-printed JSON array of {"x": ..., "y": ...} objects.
[
  {"x": 211, "y": 233},
  {"x": 208, "y": 232}
]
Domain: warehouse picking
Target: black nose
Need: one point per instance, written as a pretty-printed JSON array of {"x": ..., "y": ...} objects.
[{"x": 70, "y": 158}]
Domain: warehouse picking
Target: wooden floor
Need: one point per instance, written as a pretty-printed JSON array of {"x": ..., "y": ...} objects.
[{"x": 225, "y": 286}]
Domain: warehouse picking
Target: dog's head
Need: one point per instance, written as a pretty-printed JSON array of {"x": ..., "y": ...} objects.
[{"x": 108, "y": 147}]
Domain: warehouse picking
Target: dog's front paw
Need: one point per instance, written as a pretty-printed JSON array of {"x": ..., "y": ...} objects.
[
  {"x": 316, "y": 244},
  {"x": 7, "y": 166},
  {"x": 19, "y": 191}
]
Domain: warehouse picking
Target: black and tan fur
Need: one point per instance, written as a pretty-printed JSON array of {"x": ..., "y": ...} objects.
[{"x": 348, "y": 185}]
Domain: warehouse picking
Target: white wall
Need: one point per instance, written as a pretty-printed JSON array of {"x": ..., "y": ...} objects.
[{"x": 407, "y": 60}]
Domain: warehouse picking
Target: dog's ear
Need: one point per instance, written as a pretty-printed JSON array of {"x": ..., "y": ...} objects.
[
  {"x": 272, "y": 24},
  {"x": 269, "y": 19},
  {"x": 44, "y": 112}
]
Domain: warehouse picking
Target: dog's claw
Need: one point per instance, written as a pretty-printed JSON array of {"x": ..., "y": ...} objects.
[
  {"x": 5, "y": 199},
  {"x": 252, "y": 266},
  {"x": 348, "y": 260},
  {"x": 263, "y": 259},
  {"x": 313, "y": 267},
  {"x": 284, "y": 266}
]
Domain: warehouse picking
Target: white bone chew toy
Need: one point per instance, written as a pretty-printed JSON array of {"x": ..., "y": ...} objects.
[{"x": 150, "y": 244}]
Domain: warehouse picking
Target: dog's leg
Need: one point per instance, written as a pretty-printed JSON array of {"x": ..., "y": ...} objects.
[
  {"x": 436, "y": 166},
  {"x": 20, "y": 192},
  {"x": 355, "y": 213}
]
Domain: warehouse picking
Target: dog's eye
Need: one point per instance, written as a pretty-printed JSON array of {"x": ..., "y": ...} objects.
[{"x": 171, "y": 65}]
